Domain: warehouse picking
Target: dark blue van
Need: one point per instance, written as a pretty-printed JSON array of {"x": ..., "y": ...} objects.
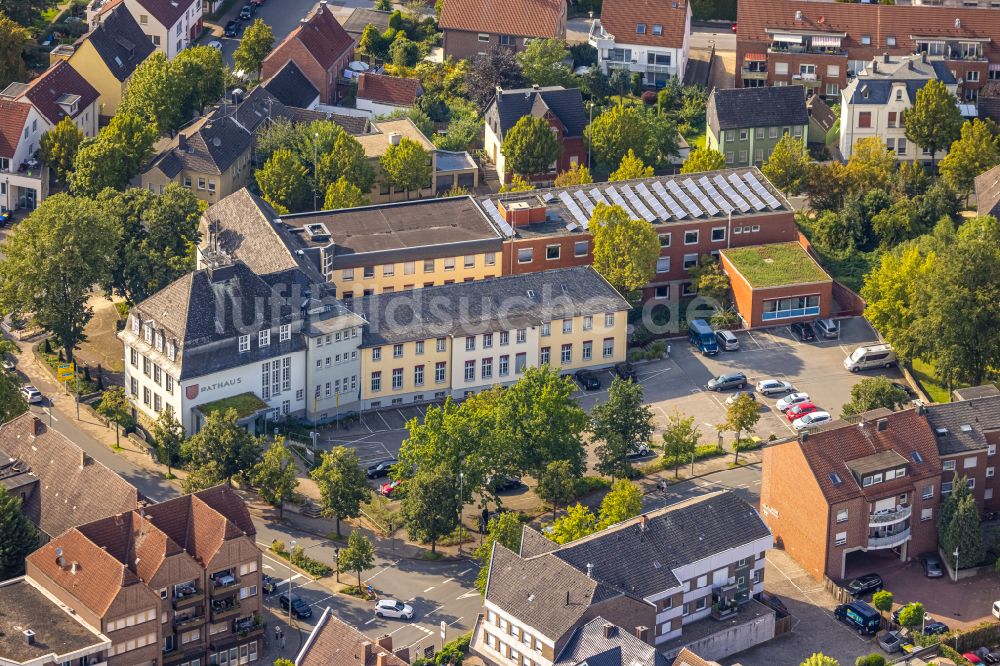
[
  {"x": 702, "y": 336},
  {"x": 860, "y": 616}
]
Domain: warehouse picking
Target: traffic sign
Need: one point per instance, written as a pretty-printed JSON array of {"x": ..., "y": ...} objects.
[
  {"x": 444, "y": 629},
  {"x": 65, "y": 371}
]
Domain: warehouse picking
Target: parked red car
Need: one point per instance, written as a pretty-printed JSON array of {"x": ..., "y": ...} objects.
[
  {"x": 387, "y": 489},
  {"x": 800, "y": 410}
]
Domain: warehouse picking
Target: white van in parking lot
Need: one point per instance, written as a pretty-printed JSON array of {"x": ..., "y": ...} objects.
[{"x": 872, "y": 356}]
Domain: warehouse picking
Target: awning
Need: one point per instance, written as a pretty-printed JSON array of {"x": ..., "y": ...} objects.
[
  {"x": 791, "y": 39},
  {"x": 755, "y": 57},
  {"x": 825, "y": 41}
]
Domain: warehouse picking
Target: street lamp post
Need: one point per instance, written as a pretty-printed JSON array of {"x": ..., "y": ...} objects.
[
  {"x": 461, "y": 497},
  {"x": 336, "y": 553},
  {"x": 591, "y": 106},
  {"x": 956, "y": 563},
  {"x": 315, "y": 168},
  {"x": 290, "y": 551}
]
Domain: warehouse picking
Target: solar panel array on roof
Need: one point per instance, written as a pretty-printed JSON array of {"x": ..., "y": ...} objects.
[
  {"x": 497, "y": 218},
  {"x": 720, "y": 201},
  {"x": 596, "y": 195},
  {"x": 761, "y": 191},
  {"x": 685, "y": 200},
  {"x": 677, "y": 211},
  {"x": 703, "y": 201},
  {"x": 745, "y": 192},
  {"x": 731, "y": 193},
  {"x": 619, "y": 201},
  {"x": 652, "y": 201},
  {"x": 584, "y": 201},
  {"x": 637, "y": 204},
  {"x": 574, "y": 210}
]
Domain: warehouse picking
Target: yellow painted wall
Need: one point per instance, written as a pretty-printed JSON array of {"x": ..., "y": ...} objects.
[
  {"x": 578, "y": 335},
  {"x": 225, "y": 184},
  {"x": 399, "y": 279},
  {"x": 92, "y": 68},
  {"x": 408, "y": 361}
]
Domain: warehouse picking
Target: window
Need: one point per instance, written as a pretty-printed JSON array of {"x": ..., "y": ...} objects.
[
  {"x": 640, "y": 28},
  {"x": 470, "y": 371},
  {"x": 449, "y": 264},
  {"x": 718, "y": 234},
  {"x": 662, "y": 292},
  {"x": 780, "y": 69},
  {"x": 948, "y": 465},
  {"x": 170, "y": 384},
  {"x": 567, "y": 326},
  {"x": 551, "y": 252},
  {"x": 520, "y": 362},
  {"x": 546, "y": 329},
  {"x": 544, "y": 355},
  {"x": 730, "y": 158},
  {"x": 743, "y": 156},
  {"x": 840, "y": 539},
  {"x": 691, "y": 237},
  {"x": 581, "y": 248},
  {"x": 866, "y": 40},
  {"x": 588, "y": 323},
  {"x": 487, "y": 340},
  {"x": 376, "y": 353},
  {"x": 609, "y": 347},
  {"x": 470, "y": 343},
  {"x": 376, "y": 381},
  {"x": 928, "y": 492},
  {"x": 663, "y": 265},
  {"x": 504, "y": 368},
  {"x": 469, "y": 261},
  {"x": 487, "y": 368},
  {"x": 284, "y": 332},
  {"x": 690, "y": 261},
  {"x": 972, "y": 483},
  {"x": 665, "y": 240},
  {"x": 508, "y": 40},
  {"x": 990, "y": 472},
  {"x": 525, "y": 255},
  {"x": 397, "y": 351},
  {"x": 832, "y": 89},
  {"x": 264, "y": 338},
  {"x": 388, "y": 270},
  {"x": 901, "y": 146},
  {"x": 772, "y": 132},
  {"x": 483, "y": 37},
  {"x": 991, "y": 450},
  {"x": 440, "y": 369},
  {"x": 842, "y": 516},
  {"x": 969, "y": 462},
  {"x": 566, "y": 354},
  {"x": 442, "y": 344},
  {"x": 397, "y": 379},
  {"x": 428, "y": 265},
  {"x": 588, "y": 350},
  {"x": 795, "y": 306},
  {"x": 504, "y": 338},
  {"x": 609, "y": 320},
  {"x": 865, "y": 119},
  {"x": 522, "y": 335}
]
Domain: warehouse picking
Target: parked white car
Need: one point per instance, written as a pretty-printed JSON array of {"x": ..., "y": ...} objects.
[
  {"x": 790, "y": 400},
  {"x": 811, "y": 419},
  {"x": 773, "y": 386},
  {"x": 393, "y": 608},
  {"x": 30, "y": 394}
]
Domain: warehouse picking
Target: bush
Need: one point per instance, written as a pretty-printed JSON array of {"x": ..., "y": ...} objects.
[
  {"x": 588, "y": 484},
  {"x": 300, "y": 559},
  {"x": 649, "y": 98},
  {"x": 665, "y": 463},
  {"x": 751, "y": 444},
  {"x": 873, "y": 659}
]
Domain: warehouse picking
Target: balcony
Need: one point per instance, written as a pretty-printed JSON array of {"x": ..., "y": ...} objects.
[
  {"x": 748, "y": 73},
  {"x": 224, "y": 584},
  {"x": 782, "y": 47},
  {"x": 889, "y": 541},
  {"x": 600, "y": 39},
  {"x": 185, "y": 597},
  {"x": 223, "y": 610},
  {"x": 900, "y": 513},
  {"x": 189, "y": 621},
  {"x": 805, "y": 76},
  {"x": 249, "y": 627}
]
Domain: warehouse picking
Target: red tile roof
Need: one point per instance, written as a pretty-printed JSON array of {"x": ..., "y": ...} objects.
[
  {"x": 394, "y": 90},
  {"x": 527, "y": 18},
  {"x": 902, "y": 22},
  {"x": 620, "y": 18},
  {"x": 58, "y": 80},
  {"x": 13, "y": 115},
  {"x": 322, "y": 36},
  {"x": 336, "y": 643},
  {"x": 828, "y": 451}
]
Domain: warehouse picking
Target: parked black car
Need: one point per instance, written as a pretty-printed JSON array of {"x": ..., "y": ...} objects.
[
  {"x": 381, "y": 468},
  {"x": 773, "y": 602},
  {"x": 735, "y": 380},
  {"x": 803, "y": 330},
  {"x": 936, "y": 628},
  {"x": 588, "y": 380},
  {"x": 626, "y": 370},
  {"x": 862, "y": 586},
  {"x": 300, "y": 609},
  {"x": 932, "y": 565},
  {"x": 500, "y": 484},
  {"x": 906, "y": 388},
  {"x": 232, "y": 28},
  {"x": 247, "y": 12}
]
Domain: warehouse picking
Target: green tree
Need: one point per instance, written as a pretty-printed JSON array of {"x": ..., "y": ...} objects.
[
  {"x": 974, "y": 153},
  {"x": 358, "y": 556},
  {"x": 517, "y": 184},
  {"x": 19, "y": 536},
  {"x": 60, "y": 145},
  {"x": 497, "y": 68},
  {"x": 820, "y": 659},
  {"x": 912, "y": 615},
  {"x": 882, "y": 601},
  {"x": 114, "y": 156},
  {"x": 578, "y": 522},
  {"x": 741, "y": 416},
  {"x": 629, "y": 168},
  {"x": 276, "y": 476},
  {"x": 710, "y": 280},
  {"x": 24, "y": 12},
  {"x": 542, "y": 63},
  {"x": 203, "y": 74},
  {"x": 284, "y": 182},
  {"x": 680, "y": 439},
  {"x": 873, "y": 659},
  {"x": 934, "y": 122},
  {"x": 383, "y": 5},
  {"x": 403, "y": 52},
  {"x": 13, "y": 40},
  {"x": 12, "y": 403},
  {"x": 346, "y": 159},
  {"x": 557, "y": 484},
  {"x": 344, "y": 194},
  {"x": 281, "y": 661},
  {"x": 530, "y": 147},
  {"x": 431, "y": 506},
  {"x": 116, "y": 408},
  {"x": 221, "y": 450},
  {"x": 407, "y": 166},
  {"x": 342, "y": 483},
  {"x": 51, "y": 262},
  {"x": 575, "y": 175},
  {"x": 958, "y": 526},
  {"x": 874, "y": 392},
  {"x": 168, "y": 434},
  {"x": 504, "y": 529},
  {"x": 156, "y": 94},
  {"x": 371, "y": 43},
  {"x": 891, "y": 293},
  {"x": 652, "y": 137},
  {"x": 622, "y": 502},
  {"x": 703, "y": 159},
  {"x": 256, "y": 44},
  {"x": 788, "y": 165},
  {"x": 827, "y": 185},
  {"x": 625, "y": 250},
  {"x": 622, "y": 425},
  {"x": 871, "y": 165}
]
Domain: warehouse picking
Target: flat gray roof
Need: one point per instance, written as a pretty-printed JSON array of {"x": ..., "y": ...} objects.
[{"x": 22, "y": 607}]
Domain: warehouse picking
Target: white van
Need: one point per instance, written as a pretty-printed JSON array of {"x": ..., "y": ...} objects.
[
  {"x": 873, "y": 356},
  {"x": 996, "y": 609}
]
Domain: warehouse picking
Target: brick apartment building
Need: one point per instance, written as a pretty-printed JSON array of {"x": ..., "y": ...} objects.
[
  {"x": 474, "y": 26},
  {"x": 175, "y": 583},
  {"x": 819, "y": 45},
  {"x": 849, "y": 489}
]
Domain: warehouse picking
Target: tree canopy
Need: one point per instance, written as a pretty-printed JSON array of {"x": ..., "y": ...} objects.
[
  {"x": 219, "y": 451},
  {"x": 530, "y": 147},
  {"x": 343, "y": 194},
  {"x": 431, "y": 505},
  {"x": 13, "y": 40},
  {"x": 19, "y": 536},
  {"x": 788, "y": 165},
  {"x": 874, "y": 392},
  {"x": 622, "y": 424},
  {"x": 284, "y": 182},
  {"x": 703, "y": 159},
  {"x": 575, "y": 175},
  {"x": 542, "y": 63},
  {"x": 255, "y": 45},
  {"x": 342, "y": 483},
  {"x": 275, "y": 476},
  {"x": 975, "y": 152},
  {"x": 625, "y": 250},
  {"x": 406, "y": 166},
  {"x": 497, "y": 67},
  {"x": 630, "y": 167},
  {"x": 60, "y": 145},
  {"x": 358, "y": 556},
  {"x": 612, "y": 134},
  {"x": 934, "y": 122}
]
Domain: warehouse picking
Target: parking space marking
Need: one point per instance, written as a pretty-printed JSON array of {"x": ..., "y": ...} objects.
[
  {"x": 369, "y": 622},
  {"x": 462, "y": 573},
  {"x": 387, "y": 426},
  {"x": 429, "y": 589}
]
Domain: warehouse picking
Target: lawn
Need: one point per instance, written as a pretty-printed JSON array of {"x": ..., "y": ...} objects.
[
  {"x": 924, "y": 373},
  {"x": 245, "y": 404},
  {"x": 775, "y": 265}
]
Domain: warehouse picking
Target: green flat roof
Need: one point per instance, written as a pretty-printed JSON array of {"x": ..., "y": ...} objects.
[
  {"x": 776, "y": 265},
  {"x": 245, "y": 404}
]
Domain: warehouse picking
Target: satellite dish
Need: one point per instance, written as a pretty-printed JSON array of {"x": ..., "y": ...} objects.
[{"x": 59, "y": 552}]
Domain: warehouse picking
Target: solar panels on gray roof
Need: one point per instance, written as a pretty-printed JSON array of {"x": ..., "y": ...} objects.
[
  {"x": 572, "y": 226},
  {"x": 548, "y": 196},
  {"x": 703, "y": 201},
  {"x": 497, "y": 218},
  {"x": 597, "y": 196},
  {"x": 652, "y": 201},
  {"x": 685, "y": 200},
  {"x": 728, "y": 190},
  {"x": 745, "y": 192},
  {"x": 710, "y": 190},
  {"x": 619, "y": 201},
  {"x": 584, "y": 201},
  {"x": 574, "y": 210},
  {"x": 761, "y": 191},
  {"x": 677, "y": 211},
  {"x": 637, "y": 204}
]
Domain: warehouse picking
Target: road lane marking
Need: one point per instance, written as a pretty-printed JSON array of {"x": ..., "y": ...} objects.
[
  {"x": 462, "y": 573},
  {"x": 411, "y": 599},
  {"x": 451, "y": 623},
  {"x": 369, "y": 622},
  {"x": 436, "y": 609},
  {"x": 448, "y": 580},
  {"x": 429, "y": 589},
  {"x": 467, "y": 595}
]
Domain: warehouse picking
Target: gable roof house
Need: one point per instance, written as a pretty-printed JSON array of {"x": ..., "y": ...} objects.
[
  {"x": 988, "y": 192},
  {"x": 474, "y": 26},
  {"x": 659, "y": 574},
  {"x": 362, "y": 17},
  {"x": 645, "y": 37},
  {"x": 745, "y": 124},
  {"x": 562, "y": 108},
  {"x": 381, "y": 94},
  {"x": 107, "y": 56},
  {"x": 59, "y": 92},
  {"x": 335, "y": 643},
  {"x": 291, "y": 87},
  {"x": 26, "y": 181},
  {"x": 321, "y": 49},
  {"x": 170, "y": 25}
]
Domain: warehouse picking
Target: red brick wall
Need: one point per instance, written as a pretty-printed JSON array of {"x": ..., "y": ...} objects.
[
  {"x": 463, "y": 45},
  {"x": 540, "y": 263},
  {"x": 324, "y": 80}
]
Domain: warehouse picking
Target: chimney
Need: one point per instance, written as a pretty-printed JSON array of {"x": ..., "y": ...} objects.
[
  {"x": 804, "y": 437},
  {"x": 382, "y": 657},
  {"x": 567, "y": 597},
  {"x": 590, "y": 570},
  {"x": 29, "y": 636},
  {"x": 385, "y": 642},
  {"x": 74, "y": 567},
  {"x": 642, "y": 633},
  {"x": 84, "y": 459},
  {"x": 798, "y": 15},
  {"x": 366, "y": 652},
  {"x": 534, "y": 86},
  {"x": 610, "y": 630},
  {"x": 958, "y": 23},
  {"x": 885, "y": 58},
  {"x": 403, "y": 653},
  {"x": 874, "y": 65},
  {"x": 921, "y": 411},
  {"x": 882, "y": 425},
  {"x": 643, "y": 522},
  {"x": 394, "y": 138},
  {"x": 36, "y": 427}
]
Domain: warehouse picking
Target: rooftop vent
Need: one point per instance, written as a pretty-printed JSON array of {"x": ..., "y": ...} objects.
[
  {"x": 798, "y": 15},
  {"x": 958, "y": 23},
  {"x": 590, "y": 570},
  {"x": 609, "y": 630},
  {"x": 29, "y": 636},
  {"x": 882, "y": 425},
  {"x": 317, "y": 231},
  {"x": 394, "y": 138}
]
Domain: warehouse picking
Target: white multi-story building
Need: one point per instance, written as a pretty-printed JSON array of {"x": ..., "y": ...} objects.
[
  {"x": 171, "y": 25},
  {"x": 873, "y": 103},
  {"x": 648, "y": 37}
]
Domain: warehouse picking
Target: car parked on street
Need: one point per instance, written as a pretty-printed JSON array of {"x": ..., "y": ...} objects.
[
  {"x": 9, "y": 363},
  {"x": 270, "y": 584},
  {"x": 381, "y": 468},
  {"x": 588, "y": 380},
  {"x": 932, "y": 566},
  {"x": 813, "y": 419},
  {"x": 31, "y": 395},
  {"x": 393, "y": 608},
  {"x": 300, "y": 609},
  {"x": 215, "y": 44},
  {"x": 247, "y": 12},
  {"x": 862, "y": 586},
  {"x": 800, "y": 410},
  {"x": 733, "y": 380},
  {"x": 232, "y": 28},
  {"x": 773, "y": 387},
  {"x": 501, "y": 484},
  {"x": 736, "y": 396},
  {"x": 774, "y": 602},
  {"x": 626, "y": 371},
  {"x": 935, "y": 627},
  {"x": 859, "y": 616},
  {"x": 791, "y": 400},
  {"x": 641, "y": 452},
  {"x": 727, "y": 340},
  {"x": 803, "y": 330}
]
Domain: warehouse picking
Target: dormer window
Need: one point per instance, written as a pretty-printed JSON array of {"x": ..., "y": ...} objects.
[
  {"x": 172, "y": 350},
  {"x": 657, "y": 29},
  {"x": 135, "y": 324},
  {"x": 147, "y": 334},
  {"x": 264, "y": 338},
  {"x": 866, "y": 40},
  {"x": 244, "y": 344},
  {"x": 159, "y": 341}
]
